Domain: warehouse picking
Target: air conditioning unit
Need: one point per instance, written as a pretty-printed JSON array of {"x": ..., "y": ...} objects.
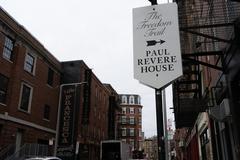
[
  {"x": 225, "y": 109},
  {"x": 221, "y": 112}
]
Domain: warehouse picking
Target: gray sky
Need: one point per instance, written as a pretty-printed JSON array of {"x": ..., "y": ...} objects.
[{"x": 99, "y": 32}]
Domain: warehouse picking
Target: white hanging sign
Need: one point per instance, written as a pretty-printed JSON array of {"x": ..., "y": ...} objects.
[{"x": 156, "y": 45}]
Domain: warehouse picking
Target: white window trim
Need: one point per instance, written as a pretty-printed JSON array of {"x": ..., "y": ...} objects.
[
  {"x": 28, "y": 52},
  {"x": 139, "y": 100},
  {"x": 131, "y": 100},
  {"x": 124, "y": 110},
  {"x": 132, "y": 132},
  {"x": 124, "y": 130},
  {"x": 30, "y": 98},
  {"x": 6, "y": 58},
  {"x": 132, "y": 119},
  {"x": 125, "y": 118},
  {"x": 132, "y": 110},
  {"x": 124, "y": 99}
]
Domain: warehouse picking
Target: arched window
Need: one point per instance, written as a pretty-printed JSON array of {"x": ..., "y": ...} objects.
[
  {"x": 139, "y": 100},
  {"x": 131, "y": 100},
  {"x": 124, "y": 99}
]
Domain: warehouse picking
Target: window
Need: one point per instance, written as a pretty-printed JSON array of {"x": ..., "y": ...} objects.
[
  {"x": 3, "y": 88},
  {"x": 8, "y": 49},
  {"x": 131, "y": 141},
  {"x": 139, "y": 110},
  {"x": 46, "y": 112},
  {"x": 123, "y": 110},
  {"x": 131, "y": 110},
  {"x": 124, "y": 119},
  {"x": 140, "y": 121},
  {"x": 132, "y": 120},
  {"x": 124, "y": 99},
  {"x": 128, "y": 110},
  {"x": 29, "y": 63},
  {"x": 139, "y": 133},
  {"x": 139, "y": 100},
  {"x": 26, "y": 96},
  {"x": 131, "y": 99},
  {"x": 50, "y": 76},
  {"x": 204, "y": 139},
  {"x": 124, "y": 132},
  {"x": 131, "y": 131}
]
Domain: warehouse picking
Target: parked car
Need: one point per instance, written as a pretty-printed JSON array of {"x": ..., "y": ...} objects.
[{"x": 43, "y": 158}]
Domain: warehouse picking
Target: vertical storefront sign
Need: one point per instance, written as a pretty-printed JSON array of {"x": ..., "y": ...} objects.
[
  {"x": 66, "y": 124},
  {"x": 87, "y": 96}
]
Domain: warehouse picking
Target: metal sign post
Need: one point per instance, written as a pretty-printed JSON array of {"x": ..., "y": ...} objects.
[{"x": 160, "y": 124}]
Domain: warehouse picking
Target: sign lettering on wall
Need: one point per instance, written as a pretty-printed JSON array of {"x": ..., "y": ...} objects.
[{"x": 66, "y": 133}]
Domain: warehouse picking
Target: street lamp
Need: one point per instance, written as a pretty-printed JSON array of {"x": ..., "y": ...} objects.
[{"x": 59, "y": 109}]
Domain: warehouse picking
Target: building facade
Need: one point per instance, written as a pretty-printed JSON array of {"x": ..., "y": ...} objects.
[
  {"x": 130, "y": 120},
  {"x": 206, "y": 96},
  {"x": 96, "y": 104},
  {"x": 61, "y": 106},
  {"x": 28, "y": 72},
  {"x": 150, "y": 148}
]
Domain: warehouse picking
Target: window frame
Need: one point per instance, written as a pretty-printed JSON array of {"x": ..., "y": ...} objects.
[
  {"x": 140, "y": 121},
  {"x": 29, "y": 98},
  {"x": 44, "y": 112},
  {"x": 8, "y": 49},
  {"x": 50, "y": 76},
  {"x": 132, "y": 120},
  {"x": 124, "y": 118},
  {"x": 124, "y": 99},
  {"x": 132, "y": 142},
  {"x": 139, "y": 100},
  {"x": 27, "y": 63},
  {"x": 139, "y": 110},
  {"x": 140, "y": 132},
  {"x": 124, "y": 132},
  {"x": 132, "y": 110},
  {"x": 2, "y": 91},
  {"x": 131, "y": 132},
  {"x": 131, "y": 100},
  {"x": 124, "y": 110}
]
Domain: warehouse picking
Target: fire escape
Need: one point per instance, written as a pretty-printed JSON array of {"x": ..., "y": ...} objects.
[{"x": 207, "y": 29}]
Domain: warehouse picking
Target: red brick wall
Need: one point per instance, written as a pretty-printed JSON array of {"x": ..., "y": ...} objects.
[{"x": 42, "y": 93}]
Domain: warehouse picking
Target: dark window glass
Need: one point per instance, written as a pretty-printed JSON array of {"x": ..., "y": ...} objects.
[
  {"x": 3, "y": 88},
  {"x": 46, "y": 112},
  {"x": 8, "y": 49},
  {"x": 25, "y": 99},
  {"x": 29, "y": 63},
  {"x": 50, "y": 76}
]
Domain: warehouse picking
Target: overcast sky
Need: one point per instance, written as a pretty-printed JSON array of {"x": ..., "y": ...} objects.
[{"x": 99, "y": 32}]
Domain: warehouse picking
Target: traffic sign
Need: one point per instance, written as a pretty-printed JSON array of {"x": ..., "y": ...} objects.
[{"x": 156, "y": 45}]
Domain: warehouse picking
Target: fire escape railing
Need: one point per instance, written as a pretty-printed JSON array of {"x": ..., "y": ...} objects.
[{"x": 207, "y": 28}]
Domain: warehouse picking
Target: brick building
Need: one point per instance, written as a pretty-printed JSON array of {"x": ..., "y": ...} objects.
[
  {"x": 28, "y": 72},
  {"x": 91, "y": 111},
  {"x": 130, "y": 120},
  {"x": 31, "y": 82},
  {"x": 150, "y": 148},
  {"x": 206, "y": 97}
]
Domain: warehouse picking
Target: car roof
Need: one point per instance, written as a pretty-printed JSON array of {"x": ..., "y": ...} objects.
[{"x": 43, "y": 158}]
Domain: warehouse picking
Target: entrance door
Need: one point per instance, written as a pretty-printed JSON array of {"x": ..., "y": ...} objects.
[{"x": 18, "y": 141}]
